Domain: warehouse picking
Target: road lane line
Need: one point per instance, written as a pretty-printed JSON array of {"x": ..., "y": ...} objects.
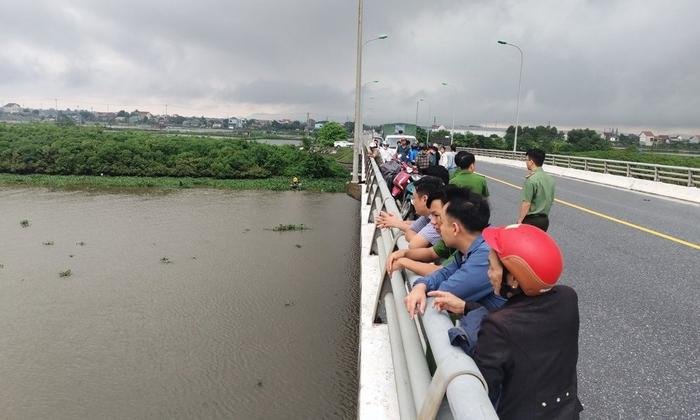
[{"x": 613, "y": 219}]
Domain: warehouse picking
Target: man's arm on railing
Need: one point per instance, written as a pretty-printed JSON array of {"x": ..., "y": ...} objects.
[{"x": 420, "y": 268}]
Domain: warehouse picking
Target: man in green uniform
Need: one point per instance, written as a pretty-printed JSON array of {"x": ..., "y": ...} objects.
[
  {"x": 465, "y": 176},
  {"x": 538, "y": 192}
]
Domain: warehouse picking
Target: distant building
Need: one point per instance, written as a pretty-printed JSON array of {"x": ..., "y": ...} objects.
[
  {"x": 662, "y": 139},
  {"x": 694, "y": 139},
  {"x": 478, "y": 131},
  {"x": 234, "y": 122},
  {"x": 646, "y": 138},
  {"x": 319, "y": 125},
  {"x": 611, "y": 136},
  {"x": 11, "y": 108}
]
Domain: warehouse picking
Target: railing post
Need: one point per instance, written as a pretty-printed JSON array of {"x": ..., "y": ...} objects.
[
  {"x": 629, "y": 169},
  {"x": 656, "y": 173},
  {"x": 585, "y": 164},
  {"x": 605, "y": 167},
  {"x": 690, "y": 177},
  {"x": 568, "y": 162}
]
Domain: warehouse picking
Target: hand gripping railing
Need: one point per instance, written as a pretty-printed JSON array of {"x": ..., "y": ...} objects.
[
  {"x": 456, "y": 375},
  {"x": 679, "y": 175}
]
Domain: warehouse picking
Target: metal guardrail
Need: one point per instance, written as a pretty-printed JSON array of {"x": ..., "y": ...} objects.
[
  {"x": 421, "y": 395},
  {"x": 678, "y": 175}
]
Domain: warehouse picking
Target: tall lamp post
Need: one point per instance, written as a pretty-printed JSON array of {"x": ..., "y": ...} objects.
[
  {"x": 358, "y": 91},
  {"x": 418, "y": 103},
  {"x": 452, "y": 102},
  {"x": 517, "y": 100}
]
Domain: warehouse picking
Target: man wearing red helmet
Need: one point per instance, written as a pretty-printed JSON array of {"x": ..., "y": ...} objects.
[{"x": 527, "y": 351}]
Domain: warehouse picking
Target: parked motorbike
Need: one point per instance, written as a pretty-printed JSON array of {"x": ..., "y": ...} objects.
[{"x": 402, "y": 189}]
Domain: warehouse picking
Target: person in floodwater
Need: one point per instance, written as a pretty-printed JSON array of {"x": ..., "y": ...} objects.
[{"x": 527, "y": 351}]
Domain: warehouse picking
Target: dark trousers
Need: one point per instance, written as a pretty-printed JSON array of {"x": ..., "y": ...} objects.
[{"x": 539, "y": 220}]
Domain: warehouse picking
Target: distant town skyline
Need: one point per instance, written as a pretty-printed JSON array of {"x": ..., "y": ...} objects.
[{"x": 615, "y": 64}]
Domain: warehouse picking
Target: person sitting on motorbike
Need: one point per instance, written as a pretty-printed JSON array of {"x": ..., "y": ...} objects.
[
  {"x": 403, "y": 150},
  {"x": 419, "y": 233},
  {"x": 386, "y": 153}
]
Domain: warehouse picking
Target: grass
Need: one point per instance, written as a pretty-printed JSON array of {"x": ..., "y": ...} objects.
[
  {"x": 333, "y": 185},
  {"x": 343, "y": 155},
  {"x": 644, "y": 157}
]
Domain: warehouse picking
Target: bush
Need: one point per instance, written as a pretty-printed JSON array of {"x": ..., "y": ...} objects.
[{"x": 76, "y": 150}]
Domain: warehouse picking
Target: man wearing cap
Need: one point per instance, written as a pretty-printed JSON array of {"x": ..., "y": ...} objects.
[
  {"x": 527, "y": 351},
  {"x": 538, "y": 192}
]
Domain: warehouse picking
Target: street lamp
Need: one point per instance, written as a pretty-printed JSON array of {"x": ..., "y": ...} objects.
[
  {"x": 517, "y": 101},
  {"x": 378, "y": 37},
  {"x": 452, "y": 102},
  {"x": 358, "y": 91},
  {"x": 418, "y": 103}
]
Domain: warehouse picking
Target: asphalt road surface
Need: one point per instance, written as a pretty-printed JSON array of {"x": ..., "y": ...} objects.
[{"x": 639, "y": 297}]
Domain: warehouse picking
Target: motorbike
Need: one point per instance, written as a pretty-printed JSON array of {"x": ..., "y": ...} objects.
[{"x": 402, "y": 189}]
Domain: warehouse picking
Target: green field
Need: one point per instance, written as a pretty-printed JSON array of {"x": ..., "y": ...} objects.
[{"x": 647, "y": 157}]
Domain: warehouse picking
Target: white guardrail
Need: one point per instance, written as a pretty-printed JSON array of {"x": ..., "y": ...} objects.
[
  {"x": 678, "y": 175},
  {"x": 455, "y": 380}
]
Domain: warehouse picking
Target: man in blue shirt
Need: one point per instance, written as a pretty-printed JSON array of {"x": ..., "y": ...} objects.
[{"x": 463, "y": 217}]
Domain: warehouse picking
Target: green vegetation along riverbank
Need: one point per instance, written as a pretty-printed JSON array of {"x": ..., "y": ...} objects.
[
  {"x": 106, "y": 182},
  {"x": 76, "y": 150}
]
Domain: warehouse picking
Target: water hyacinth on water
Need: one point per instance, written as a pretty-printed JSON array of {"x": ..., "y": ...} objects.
[
  {"x": 24, "y": 223},
  {"x": 285, "y": 228},
  {"x": 66, "y": 273}
]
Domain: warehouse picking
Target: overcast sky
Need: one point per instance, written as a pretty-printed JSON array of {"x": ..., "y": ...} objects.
[{"x": 588, "y": 63}]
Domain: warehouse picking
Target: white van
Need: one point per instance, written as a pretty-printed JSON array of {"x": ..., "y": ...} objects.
[{"x": 393, "y": 140}]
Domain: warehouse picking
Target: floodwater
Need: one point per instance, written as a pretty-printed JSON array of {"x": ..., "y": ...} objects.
[{"x": 179, "y": 305}]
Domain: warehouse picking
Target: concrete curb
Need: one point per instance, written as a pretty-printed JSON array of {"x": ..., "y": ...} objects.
[{"x": 679, "y": 192}]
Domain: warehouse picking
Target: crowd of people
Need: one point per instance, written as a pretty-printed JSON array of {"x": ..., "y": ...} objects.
[{"x": 520, "y": 326}]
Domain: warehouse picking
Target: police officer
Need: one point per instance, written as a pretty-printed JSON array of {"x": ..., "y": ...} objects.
[{"x": 538, "y": 192}]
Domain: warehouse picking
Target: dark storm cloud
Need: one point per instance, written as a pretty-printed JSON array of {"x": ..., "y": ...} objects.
[{"x": 593, "y": 63}]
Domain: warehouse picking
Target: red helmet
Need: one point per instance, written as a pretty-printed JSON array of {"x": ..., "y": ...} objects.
[{"x": 529, "y": 254}]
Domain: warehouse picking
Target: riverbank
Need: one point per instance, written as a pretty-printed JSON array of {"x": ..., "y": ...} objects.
[{"x": 335, "y": 185}]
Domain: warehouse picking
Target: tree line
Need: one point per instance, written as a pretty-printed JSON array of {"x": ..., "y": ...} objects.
[{"x": 80, "y": 150}]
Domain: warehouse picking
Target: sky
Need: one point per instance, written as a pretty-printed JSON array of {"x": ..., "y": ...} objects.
[{"x": 623, "y": 64}]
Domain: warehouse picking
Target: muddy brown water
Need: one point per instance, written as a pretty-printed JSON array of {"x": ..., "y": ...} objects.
[{"x": 240, "y": 322}]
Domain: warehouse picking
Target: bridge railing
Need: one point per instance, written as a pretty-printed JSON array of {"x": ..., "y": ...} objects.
[
  {"x": 420, "y": 394},
  {"x": 678, "y": 175}
]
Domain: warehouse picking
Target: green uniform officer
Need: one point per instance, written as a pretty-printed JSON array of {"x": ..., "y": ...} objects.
[
  {"x": 465, "y": 176},
  {"x": 538, "y": 192}
]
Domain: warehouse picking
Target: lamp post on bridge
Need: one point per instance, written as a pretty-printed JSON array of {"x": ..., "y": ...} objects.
[
  {"x": 517, "y": 101},
  {"x": 358, "y": 91},
  {"x": 452, "y": 105}
]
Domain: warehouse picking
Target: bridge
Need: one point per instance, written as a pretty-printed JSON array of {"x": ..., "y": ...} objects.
[{"x": 633, "y": 259}]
